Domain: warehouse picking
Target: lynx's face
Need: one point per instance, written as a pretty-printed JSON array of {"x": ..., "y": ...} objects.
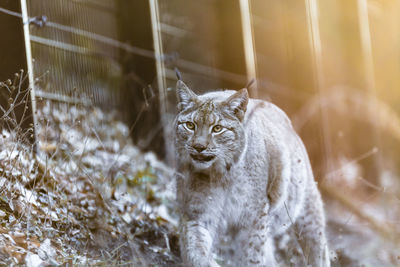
[{"x": 209, "y": 131}]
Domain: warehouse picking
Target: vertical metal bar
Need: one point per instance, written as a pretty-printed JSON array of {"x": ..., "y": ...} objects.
[
  {"x": 29, "y": 62},
  {"x": 315, "y": 42},
  {"x": 161, "y": 81},
  {"x": 249, "y": 48},
  {"x": 158, "y": 52},
  {"x": 366, "y": 47}
]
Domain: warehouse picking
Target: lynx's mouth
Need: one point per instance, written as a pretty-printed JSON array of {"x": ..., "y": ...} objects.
[{"x": 202, "y": 158}]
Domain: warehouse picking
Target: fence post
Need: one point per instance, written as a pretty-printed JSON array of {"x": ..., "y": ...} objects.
[
  {"x": 29, "y": 63},
  {"x": 161, "y": 82},
  {"x": 319, "y": 79},
  {"x": 12, "y": 60},
  {"x": 249, "y": 47},
  {"x": 366, "y": 46}
]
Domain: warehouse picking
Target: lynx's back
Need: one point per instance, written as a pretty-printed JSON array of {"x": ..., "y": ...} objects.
[{"x": 244, "y": 171}]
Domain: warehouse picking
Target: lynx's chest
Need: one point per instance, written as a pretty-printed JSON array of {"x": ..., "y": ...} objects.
[{"x": 243, "y": 198}]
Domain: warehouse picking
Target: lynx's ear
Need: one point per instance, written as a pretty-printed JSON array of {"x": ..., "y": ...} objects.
[
  {"x": 185, "y": 95},
  {"x": 237, "y": 103}
]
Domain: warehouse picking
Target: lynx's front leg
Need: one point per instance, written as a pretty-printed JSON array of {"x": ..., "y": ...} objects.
[
  {"x": 258, "y": 251},
  {"x": 196, "y": 243},
  {"x": 256, "y": 244}
]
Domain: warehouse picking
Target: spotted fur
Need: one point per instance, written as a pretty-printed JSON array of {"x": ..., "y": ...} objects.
[{"x": 249, "y": 177}]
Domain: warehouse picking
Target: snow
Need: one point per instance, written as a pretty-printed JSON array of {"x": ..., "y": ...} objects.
[
  {"x": 33, "y": 260},
  {"x": 83, "y": 195}
]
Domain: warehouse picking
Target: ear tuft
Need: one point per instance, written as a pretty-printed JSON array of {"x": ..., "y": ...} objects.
[
  {"x": 185, "y": 95},
  {"x": 237, "y": 103}
]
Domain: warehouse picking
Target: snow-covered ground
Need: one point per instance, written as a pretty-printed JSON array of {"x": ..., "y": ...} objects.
[{"x": 88, "y": 197}]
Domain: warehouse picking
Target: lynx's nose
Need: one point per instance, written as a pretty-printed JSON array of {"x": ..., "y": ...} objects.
[{"x": 199, "y": 147}]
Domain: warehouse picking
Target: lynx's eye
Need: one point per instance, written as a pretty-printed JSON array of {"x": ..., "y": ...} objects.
[
  {"x": 190, "y": 125},
  {"x": 217, "y": 129}
]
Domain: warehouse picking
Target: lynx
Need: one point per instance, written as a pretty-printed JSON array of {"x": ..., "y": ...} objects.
[{"x": 243, "y": 172}]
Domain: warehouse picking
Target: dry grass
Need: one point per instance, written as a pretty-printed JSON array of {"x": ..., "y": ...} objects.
[{"x": 87, "y": 197}]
